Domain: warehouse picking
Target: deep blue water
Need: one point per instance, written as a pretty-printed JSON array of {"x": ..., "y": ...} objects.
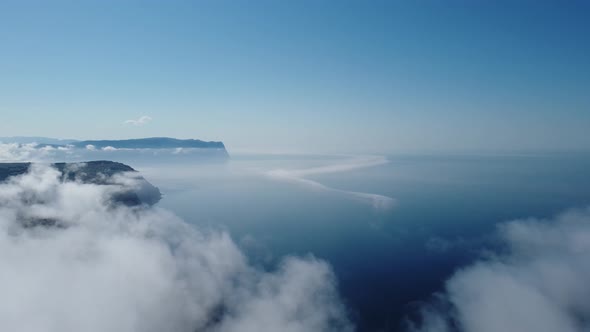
[{"x": 385, "y": 260}]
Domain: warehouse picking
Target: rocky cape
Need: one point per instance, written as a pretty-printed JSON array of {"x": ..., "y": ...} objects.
[{"x": 100, "y": 173}]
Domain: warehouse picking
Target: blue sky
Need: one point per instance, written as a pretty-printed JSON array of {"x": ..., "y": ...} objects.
[{"x": 301, "y": 76}]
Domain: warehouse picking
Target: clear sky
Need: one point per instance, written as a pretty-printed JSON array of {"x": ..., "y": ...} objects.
[{"x": 316, "y": 76}]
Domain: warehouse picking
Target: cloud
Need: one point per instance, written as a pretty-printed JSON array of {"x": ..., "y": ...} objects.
[
  {"x": 141, "y": 269},
  {"x": 540, "y": 282},
  {"x": 142, "y": 120},
  {"x": 14, "y": 152},
  {"x": 298, "y": 176}
]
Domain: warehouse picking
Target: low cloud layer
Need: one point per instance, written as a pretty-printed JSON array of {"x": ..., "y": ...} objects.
[
  {"x": 115, "y": 268},
  {"x": 17, "y": 152},
  {"x": 540, "y": 283},
  {"x": 14, "y": 152},
  {"x": 142, "y": 120},
  {"x": 298, "y": 176}
]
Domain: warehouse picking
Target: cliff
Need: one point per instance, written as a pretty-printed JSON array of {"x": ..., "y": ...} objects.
[{"x": 100, "y": 173}]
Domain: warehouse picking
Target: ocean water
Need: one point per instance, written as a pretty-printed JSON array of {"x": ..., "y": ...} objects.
[{"x": 393, "y": 228}]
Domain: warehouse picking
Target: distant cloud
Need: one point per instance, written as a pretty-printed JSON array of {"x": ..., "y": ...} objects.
[
  {"x": 139, "y": 122},
  {"x": 539, "y": 284},
  {"x": 12, "y": 152}
]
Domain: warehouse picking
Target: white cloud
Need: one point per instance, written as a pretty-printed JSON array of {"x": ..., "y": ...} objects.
[
  {"x": 539, "y": 284},
  {"x": 11, "y": 152},
  {"x": 90, "y": 147},
  {"x": 141, "y": 269},
  {"x": 298, "y": 176},
  {"x": 142, "y": 120}
]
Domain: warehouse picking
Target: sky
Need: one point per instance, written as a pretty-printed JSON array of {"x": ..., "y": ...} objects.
[{"x": 301, "y": 76}]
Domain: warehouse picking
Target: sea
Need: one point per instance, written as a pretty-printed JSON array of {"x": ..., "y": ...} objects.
[{"x": 393, "y": 228}]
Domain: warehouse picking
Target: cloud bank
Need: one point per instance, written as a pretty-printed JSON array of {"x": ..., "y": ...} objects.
[
  {"x": 14, "y": 152},
  {"x": 116, "y": 268},
  {"x": 539, "y": 284},
  {"x": 17, "y": 152},
  {"x": 298, "y": 176},
  {"x": 142, "y": 120}
]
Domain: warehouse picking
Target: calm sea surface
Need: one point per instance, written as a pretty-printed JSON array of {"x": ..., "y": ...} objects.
[{"x": 386, "y": 259}]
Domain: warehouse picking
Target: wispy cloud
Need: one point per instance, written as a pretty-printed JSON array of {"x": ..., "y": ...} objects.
[
  {"x": 142, "y": 120},
  {"x": 298, "y": 176},
  {"x": 539, "y": 284},
  {"x": 12, "y": 152}
]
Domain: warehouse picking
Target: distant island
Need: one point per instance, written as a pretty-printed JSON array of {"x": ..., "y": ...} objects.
[
  {"x": 150, "y": 143},
  {"x": 129, "y": 151},
  {"x": 136, "y": 143}
]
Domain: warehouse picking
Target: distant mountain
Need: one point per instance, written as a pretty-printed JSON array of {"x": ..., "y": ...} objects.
[
  {"x": 150, "y": 143},
  {"x": 137, "y": 143},
  {"x": 130, "y": 151}
]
